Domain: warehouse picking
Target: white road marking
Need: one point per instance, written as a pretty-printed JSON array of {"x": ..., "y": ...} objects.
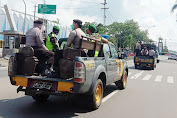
[
  {"x": 147, "y": 77},
  {"x": 129, "y": 61},
  {"x": 129, "y": 74},
  {"x": 137, "y": 75},
  {"x": 109, "y": 96},
  {"x": 158, "y": 78},
  {"x": 170, "y": 79},
  {"x": 3, "y": 68}
]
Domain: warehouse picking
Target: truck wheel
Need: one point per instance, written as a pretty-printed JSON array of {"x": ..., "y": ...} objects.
[
  {"x": 95, "y": 99},
  {"x": 152, "y": 67},
  {"x": 157, "y": 61},
  {"x": 40, "y": 98},
  {"x": 136, "y": 66},
  {"x": 121, "y": 84}
]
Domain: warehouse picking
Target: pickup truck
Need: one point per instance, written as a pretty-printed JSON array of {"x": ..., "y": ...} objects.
[
  {"x": 146, "y": 61},
  {"x": 91, "y": 76}
]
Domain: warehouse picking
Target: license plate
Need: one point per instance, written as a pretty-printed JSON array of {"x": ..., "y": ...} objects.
[{"x": 42, "y": 85}]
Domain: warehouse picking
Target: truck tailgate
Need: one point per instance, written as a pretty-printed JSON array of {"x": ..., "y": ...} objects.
[
  {"x": 53, "y": 84},
  {"x": 144, "y": 59}
]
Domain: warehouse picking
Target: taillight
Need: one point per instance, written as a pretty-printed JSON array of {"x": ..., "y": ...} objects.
[
  {"x": 79, "y": 72},
  {"x": 10, "y": 66}
]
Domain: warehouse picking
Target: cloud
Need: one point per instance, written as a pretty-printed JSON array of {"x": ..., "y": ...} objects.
[
  {"x": 146, "y": 12},
  {"x": 149, "y": 13},
  {"x": 67, "y": 10}
]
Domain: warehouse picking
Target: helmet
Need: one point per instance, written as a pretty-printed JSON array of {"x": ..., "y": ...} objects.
[
  {"x": 56, "y": 27},
  {"x": 92, "y": 28}
]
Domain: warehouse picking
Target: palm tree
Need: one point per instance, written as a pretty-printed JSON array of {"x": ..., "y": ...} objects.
[{"x": 174, "y": 7}]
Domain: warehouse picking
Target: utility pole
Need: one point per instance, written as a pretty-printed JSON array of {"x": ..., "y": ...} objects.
[
  {"x": 35, "y": 12},
  {"x": 44, "y": 21},
  {"x": 104, "y": 11},
  {"x": 24, "y": 18}
]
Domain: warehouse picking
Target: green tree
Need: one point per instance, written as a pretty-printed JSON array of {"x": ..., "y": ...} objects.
[
  {"x": 165, "y": 49},
  {"x": 124, "y": 35}
]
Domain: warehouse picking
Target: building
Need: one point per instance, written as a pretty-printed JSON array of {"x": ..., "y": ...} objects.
[{"x": 19, "y": 22}]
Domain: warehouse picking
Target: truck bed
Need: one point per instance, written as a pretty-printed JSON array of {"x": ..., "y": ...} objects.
[{"x": 45, "y": 78}]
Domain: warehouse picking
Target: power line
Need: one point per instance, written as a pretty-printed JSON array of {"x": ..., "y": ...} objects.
[
  {"x": 109, "y": 18},
  {"x": 80, "y": 7},
  {"x": 112, "y": 16},
  {"x": 85, "y": 1}
]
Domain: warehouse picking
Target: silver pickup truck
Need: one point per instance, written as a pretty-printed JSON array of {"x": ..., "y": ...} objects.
[{"x": 91, "y": 75}]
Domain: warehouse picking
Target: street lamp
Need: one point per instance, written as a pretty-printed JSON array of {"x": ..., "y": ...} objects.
[
  {"x": 148, "y": 27},
  {"x": 151, "y": 27},
  {"x": 114, "y": 35},
  {"x": 119, "y": 33}
]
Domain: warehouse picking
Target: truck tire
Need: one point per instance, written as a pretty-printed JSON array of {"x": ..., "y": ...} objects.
[
  {"x": 40, "y": 98},
  {"x": 158, "y": 61},
  {"x": 136, "y": 66},
  {"x": 121, "y": 84},
  {"x": 152, "y": 67},
  {"x": 95, "y": 99}
]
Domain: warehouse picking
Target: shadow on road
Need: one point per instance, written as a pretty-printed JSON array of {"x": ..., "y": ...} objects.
[
  {"x": 26, "y": 107},
  {"x": 143, "y": 68}
]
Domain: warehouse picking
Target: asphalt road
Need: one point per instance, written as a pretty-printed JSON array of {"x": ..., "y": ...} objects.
[{"x": 149, "y": 94}]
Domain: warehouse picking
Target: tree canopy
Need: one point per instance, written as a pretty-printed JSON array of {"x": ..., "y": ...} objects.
[{"x": 124, "y": 35}]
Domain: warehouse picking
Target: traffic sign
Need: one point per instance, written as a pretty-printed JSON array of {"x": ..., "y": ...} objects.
[{"x": 46, "y": 9}]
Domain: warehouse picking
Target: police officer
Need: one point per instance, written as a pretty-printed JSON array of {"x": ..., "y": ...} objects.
[
  {"x": 52, "y": 39},
  {"x": 75, "y": 35},
  {"x": 34, "y": 39}
]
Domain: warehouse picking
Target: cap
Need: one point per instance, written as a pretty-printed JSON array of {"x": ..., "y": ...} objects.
[
  {"x": 92, "y": 28},
  {"x": 79, "y": 22},
  {"x": 38, "y": 22},
  {"x": 56, "y": 27}
]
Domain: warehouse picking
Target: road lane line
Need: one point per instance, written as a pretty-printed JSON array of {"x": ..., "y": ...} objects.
[
  {"x": 147, "y": 77},
  {"x": 136, "y": 76},
  {"x": 158, "y": 78},
  {"x": 109, "y": 96},
  {"x": 170, "y": 79},
  {"x": 129, "y": 61},
  {"x": 129, "y": 74},
  {"x": 3, "y": 68}
]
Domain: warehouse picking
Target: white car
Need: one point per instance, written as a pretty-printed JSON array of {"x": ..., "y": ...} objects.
[{"x": 172, "y": 57}]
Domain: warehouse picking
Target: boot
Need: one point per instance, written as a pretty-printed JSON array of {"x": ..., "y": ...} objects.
[
  {"x": 54, "y": 73},
  {"x": 47, "y": 70}
]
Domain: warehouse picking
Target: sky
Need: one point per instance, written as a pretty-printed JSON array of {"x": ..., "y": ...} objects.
[{"x": 147, "y": 12}]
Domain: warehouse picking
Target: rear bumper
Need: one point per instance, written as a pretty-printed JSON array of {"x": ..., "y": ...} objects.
[
  {"x": 144, "y": 64},
  {"x": 59, "y": 85}
]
